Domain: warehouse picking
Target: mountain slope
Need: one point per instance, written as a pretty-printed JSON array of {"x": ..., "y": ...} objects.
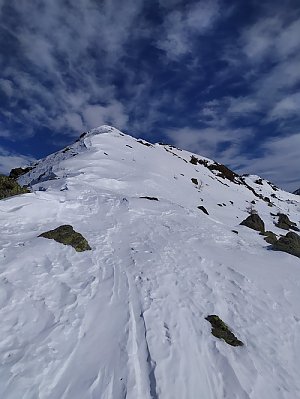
[
  {"x": 297, "y": 192},
  {"x": 127, "y": 319}
]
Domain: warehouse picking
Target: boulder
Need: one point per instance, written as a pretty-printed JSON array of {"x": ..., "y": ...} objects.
[
  {"x": 285, "y": 223},
  {"x": 9, "y": 187},
  {"x": 254, "y": 222},
  {"x": 290, "y": 243},
  {"x": 66, "y": 235}
]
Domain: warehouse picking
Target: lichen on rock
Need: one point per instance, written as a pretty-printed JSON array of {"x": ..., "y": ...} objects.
[
  {"x": 9, "y": 187},
  {"x": 290, "y": 243},
  {"x": 222, "y": 331},
  {"x": 254, "y": 222},
  {"x": 66, "y": 235}
]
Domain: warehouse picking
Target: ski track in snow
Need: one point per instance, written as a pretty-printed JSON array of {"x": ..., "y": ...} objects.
[{"x": 127, "y": 319}]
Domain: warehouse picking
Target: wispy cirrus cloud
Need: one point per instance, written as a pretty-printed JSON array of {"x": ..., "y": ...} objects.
[
  {"x": 10, "y": 160},
  {"x": 182, "y": 27}
]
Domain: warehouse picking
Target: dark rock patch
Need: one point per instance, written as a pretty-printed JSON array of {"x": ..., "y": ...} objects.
[
  {"x": 127, "y": 145},
  {"x": 194, "y": 180},
  {"x": 9, "y": 187},
  {"x": 66, "y": 235},
  {"x": 254, "y": 222},
  {"x": 145, "y": 143},
  {"x": 290, "y": 243},
  {"x": 270, "y": 237},
  {"x": 17, "y": 172},
  {"x": 285, "y": 223},
  {"x": 203, "y": 209},
  {"x": 235, "y": 231},
  {"x": 149, "y": 198},
  {"x": 259, "y": 181},
  {"x": 194, "y": 160},
  {"x": 222, "y": 331}
]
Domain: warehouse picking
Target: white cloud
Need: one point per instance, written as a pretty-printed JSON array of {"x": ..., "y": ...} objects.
[
  {"x": 6, "y": 86},
  {"x": 208, "y": 141},
  {"x": 181, "y": 27},
  {"x": 279, "y": 162},
  {"x": 96, "y": 115},
  {"x": 287, "y": 107},
  {"x": 271, "y": 37},
  {"x": 9, "y": 160}
]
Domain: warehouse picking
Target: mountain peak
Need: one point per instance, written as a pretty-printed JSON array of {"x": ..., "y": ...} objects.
[{"x": 102, "y": 129}]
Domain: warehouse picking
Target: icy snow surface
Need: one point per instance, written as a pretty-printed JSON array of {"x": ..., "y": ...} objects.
[{"x": 127, "y": 319}]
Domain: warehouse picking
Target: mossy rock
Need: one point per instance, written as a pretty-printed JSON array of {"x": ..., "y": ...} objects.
[
  {"x": 254, "y": 222},
  {"x": 9, "y": 187},
  {"x": 222, "y": 331},
  {"x": 270, "y": 237},
  {"x": 285, "y": 223},
  {"x": 66, "y": 235},
  {"x": 290, "y": 243}
]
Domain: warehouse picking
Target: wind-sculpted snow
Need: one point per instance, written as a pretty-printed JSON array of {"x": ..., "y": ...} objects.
[{"x": 127, "y": 318}]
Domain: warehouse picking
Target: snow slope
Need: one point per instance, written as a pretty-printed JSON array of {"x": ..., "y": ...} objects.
[{"x": 127, "y": 319}]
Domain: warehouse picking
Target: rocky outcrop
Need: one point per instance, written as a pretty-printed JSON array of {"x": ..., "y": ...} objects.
[
  {"x": 222, "y": 331},
  {"x": 17, "y": 172},
  {"x": 66, "y": 235},
  {"x": 9, "y": 187},
  {"x": 254, "y": 222},
  {"x": 290, "y": 243}
]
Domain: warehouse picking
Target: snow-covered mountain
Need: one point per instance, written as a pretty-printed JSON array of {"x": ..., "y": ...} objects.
[
  {"x": 297, "y": 192},
  {"x": 127, "y": 318}
]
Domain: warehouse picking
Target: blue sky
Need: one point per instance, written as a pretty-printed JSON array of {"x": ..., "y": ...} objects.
[{"x": 219, "y": 78}]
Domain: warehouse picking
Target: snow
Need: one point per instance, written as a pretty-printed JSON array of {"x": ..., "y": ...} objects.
[{"x": 127, "y": 319}]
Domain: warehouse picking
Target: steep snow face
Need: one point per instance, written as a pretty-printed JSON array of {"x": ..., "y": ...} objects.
[{"x": 127, "y": 319}]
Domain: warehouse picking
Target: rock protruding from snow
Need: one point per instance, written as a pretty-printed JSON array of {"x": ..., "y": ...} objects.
[
  {"x": 9, "y": 187},
  {"x": 285, "y": 223},
  {"x": 290, "y": 244},
  {"x": 254, "y": 222},
  {"x": 222, "y": 331},
  {"x": 66, "y": 235}
]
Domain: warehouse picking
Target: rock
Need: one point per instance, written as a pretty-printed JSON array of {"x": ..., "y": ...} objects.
[
  {"x": 203, "y": 209},
  {"x": 222, "y": 331},
  {"x": 194, "y": 180},
  {"x": 66, "y": 235},
  {"x": 285, "y": 223},
  {"x": 17, "y": 172},
  {"x": 9, "y": 187},
  {"x": 290, "y": 243},
  {"x": 150, "y": 198},
  {"x": 270, "y": 237},
  {"x": 254, "y": 222},
  {"x": 194, "y": 160}
]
